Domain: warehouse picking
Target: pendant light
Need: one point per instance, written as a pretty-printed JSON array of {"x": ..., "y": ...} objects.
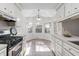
[{"x": 38, "y": 16}]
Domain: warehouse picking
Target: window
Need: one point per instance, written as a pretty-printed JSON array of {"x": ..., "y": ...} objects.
[
  {"x": 30, "y": 29},
  {"x": 47, "y": 28},
  {"x": 39, "y": 29}
]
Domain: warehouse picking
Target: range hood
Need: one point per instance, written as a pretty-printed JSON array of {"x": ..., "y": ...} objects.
[{"x": 4, "y": 16}]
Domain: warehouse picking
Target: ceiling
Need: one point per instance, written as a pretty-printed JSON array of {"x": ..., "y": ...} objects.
[
  {"x": 42, "y": 13},
  {"x": 38, "y": 5},
  {"x": 31, "y": 9}
]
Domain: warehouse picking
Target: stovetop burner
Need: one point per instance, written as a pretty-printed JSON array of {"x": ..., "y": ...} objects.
[{"x": 10, "y": 40}]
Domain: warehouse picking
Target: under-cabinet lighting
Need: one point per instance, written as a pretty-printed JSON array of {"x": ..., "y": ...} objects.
[{"x": 18, "y": 19}]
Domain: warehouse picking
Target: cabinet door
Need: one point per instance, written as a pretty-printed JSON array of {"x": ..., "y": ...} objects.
[
  {"x": 59, "y": 49},
  {"x": 71, "y": 49},
  {"x": 3, "y": 7},
  {"x": 59, "y": 41},
  {"x": 11, "y": 9},
  {"x": 59, "y": 28},
  {"x": 7, "y": 8},
  {"x": 57, "y": 53},
  {"x": 52, "y": 45},
  {"x": 3, "y": 52},
  {"x": 75, "y": 7},
  {"x": 66, "y": 53},
  {"x": 68, "y": 9},
  {"x": 60, "y": 13}
]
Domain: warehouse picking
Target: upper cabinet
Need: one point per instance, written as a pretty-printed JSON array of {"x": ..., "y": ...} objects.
[
  {"x": 11, "y": 10},
  {"x": 75, "y": 7},
  {"x": 8, "y": 9},
  {"x": 3, "y": 7},
  {"x": 68, "y": 9},
  {"x": 71, "y": 8},
  {"x": 60, "y": 12}
]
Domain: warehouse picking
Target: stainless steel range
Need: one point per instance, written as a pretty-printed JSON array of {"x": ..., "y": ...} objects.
[{"x": 14, "y": 43}]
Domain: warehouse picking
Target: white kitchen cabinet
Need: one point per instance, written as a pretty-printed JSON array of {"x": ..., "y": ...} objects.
[
  {"x": 12, "y": 9},
  {"x": 3, "y": 52},
  {"x": 58, "y": 41},
  {"x": 66, "y": 53},
  {"x": 3, "y": 49},
  {"x": 4, "y": 7},
  {"x": 52, "y": 44},
  {"x": 71, "y": 9},
  {"x": 59, "y": 29},
  {"x": 64, "y": 48},
  {"x": 59, "y": 48},
  {"x": 68, "y": 9},
  {"x": 75, "y": 7},
  {"x": 71, "y": 49},
  {"x": 60, "y": 12},
  {"x": 8, "y": 8},
  {"x": 57, "y": 53}
]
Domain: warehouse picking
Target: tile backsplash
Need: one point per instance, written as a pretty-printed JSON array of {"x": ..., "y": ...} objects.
[{"x": 3, "y": 25}]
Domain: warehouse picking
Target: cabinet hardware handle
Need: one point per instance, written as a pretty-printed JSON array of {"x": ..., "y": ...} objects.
[
  {"x": 75, "y": 8},
  {"x": 10, "y": 11},
  {"x": 68, "y": 11},
  {"x": 69, "y": 49},
  {"x": 5, "y": 8}
]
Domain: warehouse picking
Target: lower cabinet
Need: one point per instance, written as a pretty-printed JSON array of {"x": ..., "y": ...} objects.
[
  {"x": 3, "y": 52},
  {"x": 59, "y": 49},
  {"x": 66, "y": 53},
  {"x": 57, "y": 53},
  {"x": 65, "y": 48},
  {"x": 72, "y": 50}
]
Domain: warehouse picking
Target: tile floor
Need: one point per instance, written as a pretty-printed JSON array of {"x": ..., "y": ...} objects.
[{"x": 37, "y": 48}]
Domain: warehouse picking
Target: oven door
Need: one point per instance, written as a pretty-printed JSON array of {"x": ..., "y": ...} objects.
[{"x": 16, "y": 50}]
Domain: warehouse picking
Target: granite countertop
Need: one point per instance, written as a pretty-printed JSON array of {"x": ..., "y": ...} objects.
[
  {"x": 73, "y": 38},
  {"x": 2, "y": 46},
  {"x": 68, "y": 40}
]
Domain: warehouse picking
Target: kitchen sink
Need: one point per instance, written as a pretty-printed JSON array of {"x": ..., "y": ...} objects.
[{"x": 75, "y": 42}]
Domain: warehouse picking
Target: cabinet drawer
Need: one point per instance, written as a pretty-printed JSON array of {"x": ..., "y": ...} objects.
[
  {"x": 68, "y": 9},
  {"x": 73, "y": 50},
  {"x": 3, "y": 52},
  {"x": 59, "y": 48},
  {"x": 66, "y": 53},
  {"x": 60, "y": 12},
  {"x": 75, "y": 7},
  {"x": 58, "y": 54},
  {"x": 59, "y": 41}
]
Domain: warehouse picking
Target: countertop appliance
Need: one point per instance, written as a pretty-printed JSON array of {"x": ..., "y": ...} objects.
[{"x": 11, "y": 41}]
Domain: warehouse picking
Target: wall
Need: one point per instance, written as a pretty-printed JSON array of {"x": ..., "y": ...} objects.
[
  {"x": 3, "y": 25},
  {"x": 42, "y": 12},
  {"x": 72, "y": 26},
  {"x": 34, "y": 34},
  {"x": 20, "y": 24}
]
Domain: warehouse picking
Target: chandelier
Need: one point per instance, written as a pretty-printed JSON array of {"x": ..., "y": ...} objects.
[{"x": 38, "y": 15}]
